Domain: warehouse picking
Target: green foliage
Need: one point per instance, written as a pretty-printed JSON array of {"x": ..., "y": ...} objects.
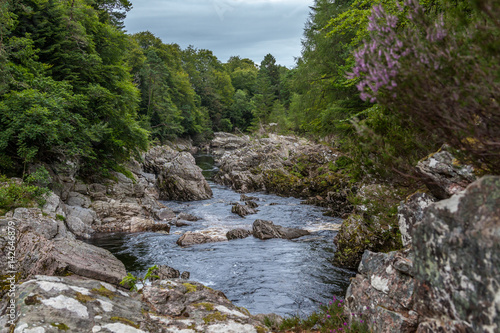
[
  {"x": 14, "y": 194},
  {"x": 329, "y": 318},
  {"x": 132, "y": 281}
]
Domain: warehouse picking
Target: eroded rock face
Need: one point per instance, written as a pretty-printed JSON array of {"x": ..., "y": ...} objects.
[
  {"x": 267, "y": 230},
  {"x": 382, "y": 293},
  {"x": 43, "y": 247},
  {"x": 457, "y": 260},
  {"x": 284, "y": 165},
  {"x": 444, "y": 175},
  {"x": 178, "y": 176}
]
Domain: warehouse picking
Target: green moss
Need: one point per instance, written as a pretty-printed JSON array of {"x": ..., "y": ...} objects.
[
  {"x": 244, "y": 310},
  {"x": 60, "y": 326},
  {"x": 60, "y": 217},
  {"x": 216, "y": 316},
  {"x": 190, "y": 288},
  {"x": 84, "y": 298},
  {"x": 125, "y": 321},
  {"x": 32, "y": 300},
  {"x": 207, "y": 306},
  {"x": 260, "y": 329},
  {"x": 104, "y": 292}
]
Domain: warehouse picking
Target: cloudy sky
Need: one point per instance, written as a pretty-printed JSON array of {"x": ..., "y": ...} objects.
[{"x": 247, "y": 28}]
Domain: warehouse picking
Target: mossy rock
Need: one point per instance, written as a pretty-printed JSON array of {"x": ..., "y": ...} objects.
[{"x": 216, "y": 316}]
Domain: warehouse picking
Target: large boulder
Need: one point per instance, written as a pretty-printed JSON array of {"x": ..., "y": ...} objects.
[
  {"x": 457, "y": 261},
  {"x": 410, "y": 212},
  {"x": 178, "y": 176},
  {"x": 444, "y": 175},
  {"x": 42, "y": 247},
  {"x": 382, "y": 293},
  {"x": 267, "y": 229}
]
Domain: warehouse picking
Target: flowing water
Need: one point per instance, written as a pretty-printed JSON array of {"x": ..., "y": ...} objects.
[{"x": 281, "y": 276}]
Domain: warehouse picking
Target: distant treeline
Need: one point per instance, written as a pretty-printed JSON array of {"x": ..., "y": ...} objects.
[{"x": 388, "y": 82}]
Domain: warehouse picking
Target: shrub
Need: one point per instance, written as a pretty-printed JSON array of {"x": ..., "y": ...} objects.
[
  {"x": 14, "y": 194},
  {"x": 440, "y": 72}
]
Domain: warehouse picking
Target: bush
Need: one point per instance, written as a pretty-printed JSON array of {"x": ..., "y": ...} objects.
[
  {"x": 14, "y": 194},
  {"x": 440, "y": 72}
]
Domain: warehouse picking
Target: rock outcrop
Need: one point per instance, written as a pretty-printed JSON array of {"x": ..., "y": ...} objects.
[
  {"x": 457, "y": 260},
  {"x": 285, "y": 165},
  {"x": 447, "y": 279},
  {"x": 444, "y": 175},
  {"x": 54, "y": 304},
  {"x": 267, "y": 230},
  {"x": 178, "y": 176},
  {"x": 45, "y": 247}
]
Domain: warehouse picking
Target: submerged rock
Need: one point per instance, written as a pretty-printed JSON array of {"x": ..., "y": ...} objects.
[
  {"x": 238, "y": 234},
  {"x": 178, "y": 176},
  {"x": 192, "y": 238},
  {"x": 243, "y": 210},
  {"x": 267, "y": 230}
]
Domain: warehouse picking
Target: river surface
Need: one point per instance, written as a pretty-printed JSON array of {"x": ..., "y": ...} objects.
[{"x": 287, "y": 277}]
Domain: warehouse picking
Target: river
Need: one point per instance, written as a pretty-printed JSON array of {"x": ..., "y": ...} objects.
[{"x": 286, "y": 277}]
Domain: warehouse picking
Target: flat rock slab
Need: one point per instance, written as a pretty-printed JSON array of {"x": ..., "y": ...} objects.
[{"x": 55, "y": 304}]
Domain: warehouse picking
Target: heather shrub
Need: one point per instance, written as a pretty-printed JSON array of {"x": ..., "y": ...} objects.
[{"x": 440, "y": 73}]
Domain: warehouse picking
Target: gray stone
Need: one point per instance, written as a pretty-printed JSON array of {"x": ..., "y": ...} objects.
[
  {"x": 267, "y": 230},
  {"x": 444, "y": 175},
  {"x": 78, "y": 199},
  {"x": 382, "y": 294},
  {"x": 411, "y": 212},
  {"x": 238, "y": 234},
  {"x": 192, "y": 238},
  {"x": 78, "y": 227},
  {"x": 457, "y": 260},
  {"x": 165, "y": 272},
  {"x": 88, "y": 216},
  {"x": 242, "y": 210},
  {"x": 188, "y": 217}
]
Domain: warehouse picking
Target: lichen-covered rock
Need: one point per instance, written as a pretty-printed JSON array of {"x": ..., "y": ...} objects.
[
  {"x": 193, "y": 238},
  {"x": 444, "y": 175},
  {"x": 238, "y": 234},
  {"x": 56, "y": 304},
  {"x": 178, "y": 176},
  {"x": 187, "y": 306},
  {"x": 457, "y": 261},
  {"x": 411, "y": 212},
  {"x": 382, "y": 293},
  {"x": 267, "y": 230},
  {"x": 243, "y": 210}
]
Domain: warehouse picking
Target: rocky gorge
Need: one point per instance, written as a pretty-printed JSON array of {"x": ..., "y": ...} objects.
[{"x": 443, "y": 278}]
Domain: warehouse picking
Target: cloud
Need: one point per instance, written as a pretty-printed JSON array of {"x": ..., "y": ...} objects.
[{"x": 247, "y": 28}]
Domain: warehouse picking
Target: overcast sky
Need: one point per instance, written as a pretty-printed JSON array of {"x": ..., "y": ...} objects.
[{"x": 246, "y": 28}]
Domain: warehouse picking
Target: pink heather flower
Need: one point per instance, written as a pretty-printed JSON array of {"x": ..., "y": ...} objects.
[{"x": 328, "y": 316}]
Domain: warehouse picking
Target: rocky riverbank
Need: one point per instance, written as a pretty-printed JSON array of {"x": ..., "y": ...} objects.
[{"x": 63, "y": 283}]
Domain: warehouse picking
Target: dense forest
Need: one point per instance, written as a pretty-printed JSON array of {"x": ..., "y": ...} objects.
[{"x": 384, "y": 82}]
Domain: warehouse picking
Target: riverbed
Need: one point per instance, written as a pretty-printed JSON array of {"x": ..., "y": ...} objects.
[{"x": 285, "y": 277}]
